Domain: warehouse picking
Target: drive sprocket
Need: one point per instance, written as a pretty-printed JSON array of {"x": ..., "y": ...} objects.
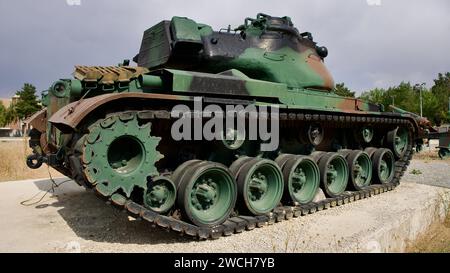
[{"x": 120, "y": 153}]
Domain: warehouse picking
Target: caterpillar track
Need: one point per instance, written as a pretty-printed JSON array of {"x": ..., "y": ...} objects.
[{"x": 241, "y": 223}]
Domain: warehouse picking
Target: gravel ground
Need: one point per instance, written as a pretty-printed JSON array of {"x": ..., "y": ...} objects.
[
  {"x": 429, "y": 172},
  {"x": 75, "y": 220}
]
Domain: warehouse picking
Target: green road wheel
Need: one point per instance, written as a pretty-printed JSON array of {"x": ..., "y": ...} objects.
[
  {"x": 260, "y": 186},
  {"x": 282, "y": 159},
  {"x": 302, "y": 179},
  {"x": 444, "y": 153},
  {"x": 206, "y": 194},
  {"x": 181, "y": 170},
  {"x": 333, "y": 173},
  {"x": 236, "y": 166},
  {"x": 160, "y": 194},
  {"x": 360, "y": 167},
  {"x": 119, "y": 153},
  {"x": 398, "y": 140},
  {"x": 317, "y": 155},
  {"x": 383, "y": 166},
  {"x": 345, "y": 152},
  {"x": 370, "y": 151}
]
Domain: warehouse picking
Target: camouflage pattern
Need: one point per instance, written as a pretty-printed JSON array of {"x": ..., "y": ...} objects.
[{"x": 109, "y": 127}]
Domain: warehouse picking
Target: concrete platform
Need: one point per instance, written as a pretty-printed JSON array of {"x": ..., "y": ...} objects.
[{"x": 76, "y": 221}]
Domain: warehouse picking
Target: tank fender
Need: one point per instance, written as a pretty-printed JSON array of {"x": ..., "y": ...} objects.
[
  {"x": 69, "y": 117},
  {"x": 38, "y": 120}
]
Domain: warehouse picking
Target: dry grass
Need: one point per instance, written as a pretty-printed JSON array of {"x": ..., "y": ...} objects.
[
  {"x": 429, "y": 155},
  {"x": 12, "y": 162},
  {"x": 436, "y": 239}
]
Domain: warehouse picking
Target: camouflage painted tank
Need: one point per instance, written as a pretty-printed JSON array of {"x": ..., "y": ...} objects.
[{"x": 111, "y": 129}]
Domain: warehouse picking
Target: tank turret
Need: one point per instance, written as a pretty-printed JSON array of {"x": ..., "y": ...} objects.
[{"x": 265, "y": 48}]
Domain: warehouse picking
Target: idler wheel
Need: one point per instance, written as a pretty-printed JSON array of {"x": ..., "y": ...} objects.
[
  {"x": 206, "y": 193},
  {"x": 160, "y": 194},
  {"x": 260, "y": 185},
  {"x": 383, "y": 166},
  {"x": 333, "y": 174}
]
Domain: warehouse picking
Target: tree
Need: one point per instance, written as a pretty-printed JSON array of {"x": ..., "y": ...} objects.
[
  {"x": 404, "y": 97},
  {"x": 10, "y": 115},
  {"x": 441, "y": 91},
  {"x": 343, "y": 90},
  {"x": 27, "y": 103},
  {"x": 430, "y": 104},
  {"x": 407, "y": 97},
  {"x": 2, "y": 115},
  {"x": 377, "y": 95}
]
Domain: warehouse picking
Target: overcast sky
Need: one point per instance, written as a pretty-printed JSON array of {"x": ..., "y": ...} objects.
[{"x": 369, "y": 46}]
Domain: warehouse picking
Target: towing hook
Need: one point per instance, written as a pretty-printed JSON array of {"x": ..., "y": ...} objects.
[{"x": 34, "y": 161}]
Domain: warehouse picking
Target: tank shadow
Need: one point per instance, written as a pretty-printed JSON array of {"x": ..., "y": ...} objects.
[{"x": 91, "y": 219}]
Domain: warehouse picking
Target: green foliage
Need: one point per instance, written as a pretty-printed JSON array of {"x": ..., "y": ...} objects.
[
  {"x": 406, "y": 96},
  {"x": 376, "y": 95},
  {"x": 2, "y": 114},
  {"x": 7, "y": 115},
  {"x": 430, "y": 105},
  {"x": 10, "y": 115},
  {"x": 441, "y": 91},
  {"x": 343, "y": 90},
  {"x": 27, "y": 103}
]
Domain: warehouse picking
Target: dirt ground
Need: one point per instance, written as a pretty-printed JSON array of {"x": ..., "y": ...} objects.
[{"x": 13, "y": 154}]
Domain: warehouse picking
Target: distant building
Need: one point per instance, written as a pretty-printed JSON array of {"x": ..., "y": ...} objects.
[
  {"x": 6, "y": 102},
  {"x": 16, "y": 128}
]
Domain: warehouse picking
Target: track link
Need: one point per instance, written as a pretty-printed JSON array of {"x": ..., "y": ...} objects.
[{"x": 240, "y": 224}]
